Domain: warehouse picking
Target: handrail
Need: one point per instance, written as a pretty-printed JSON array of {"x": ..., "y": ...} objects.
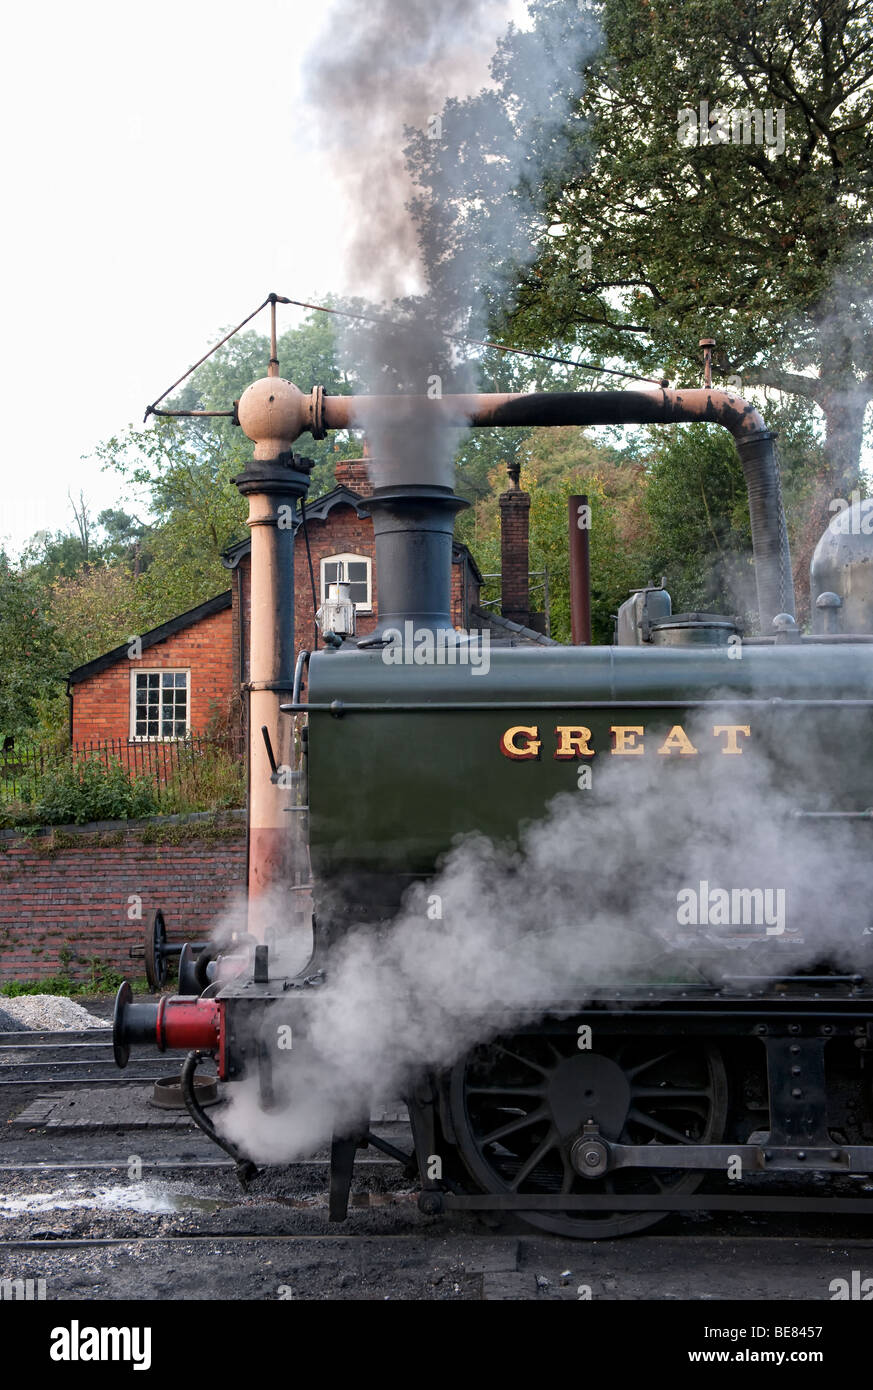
[{"x": 302, "y": 663}]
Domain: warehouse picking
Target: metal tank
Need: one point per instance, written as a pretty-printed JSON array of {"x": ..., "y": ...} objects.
[{"x": 841, "y": 573}]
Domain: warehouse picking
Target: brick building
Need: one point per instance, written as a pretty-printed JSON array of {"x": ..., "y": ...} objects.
[{"x": 173, "y": 680}]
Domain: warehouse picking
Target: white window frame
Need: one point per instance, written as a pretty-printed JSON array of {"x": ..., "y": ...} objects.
[
  {"x": 159, "y": 671},
  {"x": 358, "y": 560}
]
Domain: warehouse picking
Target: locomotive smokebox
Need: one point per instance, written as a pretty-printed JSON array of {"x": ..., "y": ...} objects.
[
  {"x": 413, "y": 525},
  {"x": 841, "y": 573}
]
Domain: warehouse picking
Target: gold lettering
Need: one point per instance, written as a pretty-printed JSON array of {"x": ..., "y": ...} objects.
[
  {"x": 622, "y": 736},
  {"x": 677, "y": 741},
  {"x": 732, "y": 730},
  {"x": 573, "y": 741},
  {"x": 531, "y": 747}
]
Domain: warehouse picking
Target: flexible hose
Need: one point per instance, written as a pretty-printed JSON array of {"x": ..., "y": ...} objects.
[{"x": 245, "y": 1169}]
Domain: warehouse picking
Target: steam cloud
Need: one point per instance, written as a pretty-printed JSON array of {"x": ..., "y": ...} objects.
[
  {"x": 588, "y": 898},
  {"x": 384, "y": 86},
  {"x": 585, "y": 901}
]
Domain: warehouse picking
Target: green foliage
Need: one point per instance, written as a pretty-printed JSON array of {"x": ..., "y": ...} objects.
[
  {"x": 49, "y": 557},
  {"x": 75, "y": 791},
  {"x": 698, "y": 505},
  {"x": 658, "y": 242},
  {"x": 307, "y": 356},
  {"x": 207, "y": 780},
  {"x": 98, "y": 609},
  {"x": 556, "y": 463},
  {"x": 101, "y": 980},
  {"x": 618, "y": 539},
  {"x": 33, "y": 659},
  {"x": 197, "y": 511}
]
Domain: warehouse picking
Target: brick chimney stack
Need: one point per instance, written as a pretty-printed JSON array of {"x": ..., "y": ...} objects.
[
  {"x": 514, "y": 550},
  {"x": 354, "y": 474}
]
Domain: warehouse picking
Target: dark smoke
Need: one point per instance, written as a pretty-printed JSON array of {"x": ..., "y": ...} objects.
[{"x": 431, "y": 248}]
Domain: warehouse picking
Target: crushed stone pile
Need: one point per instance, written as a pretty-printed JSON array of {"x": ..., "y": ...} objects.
[{"x": 44, "y": 1013}]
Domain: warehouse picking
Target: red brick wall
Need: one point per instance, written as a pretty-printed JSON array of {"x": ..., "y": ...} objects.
[
  {"x": 76, "y": 899},
  {"x": 101, "y": 704},
  {"x": 343, "y": 533},
  {"x": 461, "y": 610}
]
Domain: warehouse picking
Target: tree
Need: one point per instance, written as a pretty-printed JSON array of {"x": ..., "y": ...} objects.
[
  {"x": 566, "y": 461},
  {"x": 307, "y": 356},
  {"x": 555, "y": 464},
  {"x": 698, "y": 506},
  {"x": 33, "y": 661},
  {"x": 766, "y": 249},
  {"x": 100, "y": 608},
  {"x": 184, "y": 478}
]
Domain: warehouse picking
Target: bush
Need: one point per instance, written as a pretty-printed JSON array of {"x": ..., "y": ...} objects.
[
  {"x": 207, "y": 779},
  {"x": 82, "y": 790}
]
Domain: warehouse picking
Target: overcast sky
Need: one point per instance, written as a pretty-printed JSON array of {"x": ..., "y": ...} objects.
[{"x": 159, "y": 181}]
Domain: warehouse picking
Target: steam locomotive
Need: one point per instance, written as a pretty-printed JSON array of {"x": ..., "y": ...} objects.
[{"x": 726, "y": 1066}]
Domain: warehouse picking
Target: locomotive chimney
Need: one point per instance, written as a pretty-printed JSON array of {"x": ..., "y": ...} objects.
[{"x": 413, "y": 525}]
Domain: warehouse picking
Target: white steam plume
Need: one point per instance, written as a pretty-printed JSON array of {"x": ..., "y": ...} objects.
[{"x": 587, "y": 900}]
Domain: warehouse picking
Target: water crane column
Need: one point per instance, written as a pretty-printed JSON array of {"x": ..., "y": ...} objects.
[{"x": 273, "y": 481}]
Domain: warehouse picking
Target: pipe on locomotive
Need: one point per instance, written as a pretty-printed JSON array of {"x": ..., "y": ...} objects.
[{"x": 291, "y": 413}]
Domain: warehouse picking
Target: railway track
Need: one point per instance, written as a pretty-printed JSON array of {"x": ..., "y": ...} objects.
[
  {"x": 45, "y": 1060},
  {"x": 71, "y": 1213}
]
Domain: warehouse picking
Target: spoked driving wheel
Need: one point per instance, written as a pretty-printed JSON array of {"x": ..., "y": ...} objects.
[
  {"x": 156, "y": 967},
  {"x": 519, "y": 1104}
]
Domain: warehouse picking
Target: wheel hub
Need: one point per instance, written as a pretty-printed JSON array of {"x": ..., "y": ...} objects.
[
  {"x": 589, "y": 1088},
  {"x": 588, "y": 1155}
]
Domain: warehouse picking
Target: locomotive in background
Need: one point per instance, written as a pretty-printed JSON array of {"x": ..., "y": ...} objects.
[{"x": 717, "y": 1054}]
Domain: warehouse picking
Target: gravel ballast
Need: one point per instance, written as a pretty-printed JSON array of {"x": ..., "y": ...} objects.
[{"x": 45, "y": 1013}]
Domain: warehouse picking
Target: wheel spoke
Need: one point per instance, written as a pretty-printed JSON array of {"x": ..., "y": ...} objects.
[
  {"x": 632, "y": 1072},
  {"x": 536, "y": 1157},
  {"x": 525, "y": 1061},
  {"x": 513, "y": 1126},
  {"x": 524, "y": 1151},
  {"x": 658, "y": 1126}
]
